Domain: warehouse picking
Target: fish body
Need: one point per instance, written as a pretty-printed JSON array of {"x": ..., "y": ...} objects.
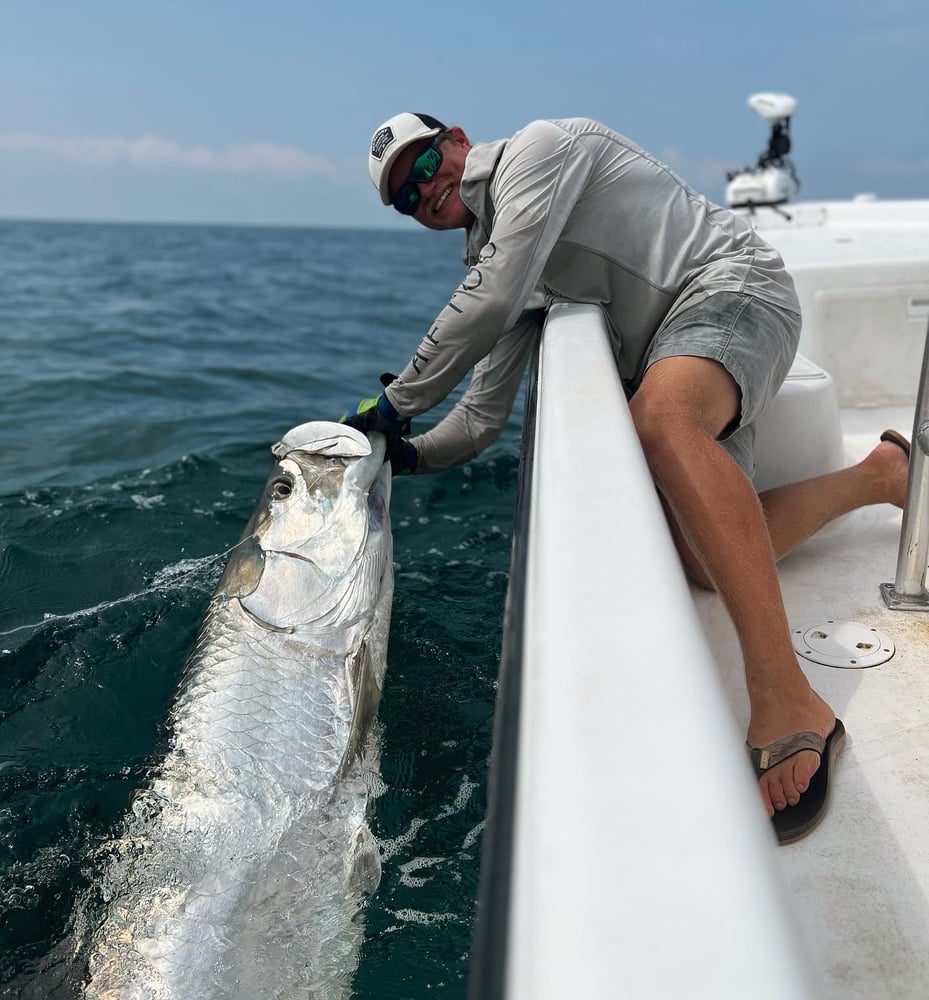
[{"x": 245, "y": 861}]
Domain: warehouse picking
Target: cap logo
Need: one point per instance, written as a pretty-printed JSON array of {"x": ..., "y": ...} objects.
[{"x": 382, "y": 139}]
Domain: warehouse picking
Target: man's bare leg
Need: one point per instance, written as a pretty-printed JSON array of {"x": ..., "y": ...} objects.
[
  {"x": 680, "y": 408},
  {"x": 796, "y": 511}
]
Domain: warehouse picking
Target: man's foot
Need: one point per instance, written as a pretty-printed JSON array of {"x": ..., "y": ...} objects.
[
  {"x": 783, "y": 784},
  {"x": 889, "y": 462},
  {"x": 797, "y": 821}
]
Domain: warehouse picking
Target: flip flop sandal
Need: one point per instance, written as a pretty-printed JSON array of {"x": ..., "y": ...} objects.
[
  {"x": 797, "y": 821},
  {"x": 898, "y": 439}
]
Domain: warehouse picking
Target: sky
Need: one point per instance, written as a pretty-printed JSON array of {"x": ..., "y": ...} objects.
[{"x": 240, "y": 112}]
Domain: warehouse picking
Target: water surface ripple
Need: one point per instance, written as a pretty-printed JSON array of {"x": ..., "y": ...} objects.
[{"x": 144, "y": 373}]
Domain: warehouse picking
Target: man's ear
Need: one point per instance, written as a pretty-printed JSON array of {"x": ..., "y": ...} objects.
[{"x": 457, "y": 133}]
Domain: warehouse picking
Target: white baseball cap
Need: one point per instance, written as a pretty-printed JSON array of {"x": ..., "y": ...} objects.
[{"x": 390, "y": 140}]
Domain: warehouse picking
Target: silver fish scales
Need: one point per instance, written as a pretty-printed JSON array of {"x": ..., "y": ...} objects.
[{"x": 244, "y": 863}]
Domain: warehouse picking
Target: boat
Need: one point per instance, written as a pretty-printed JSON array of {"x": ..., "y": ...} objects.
[{"x": 626, "y": 852}]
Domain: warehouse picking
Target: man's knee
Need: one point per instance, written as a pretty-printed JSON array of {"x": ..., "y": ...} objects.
[
  {"x": 681, "y": 395},
  {"x": 651, "y": 442},
  {"x": 662, "y": 425}
]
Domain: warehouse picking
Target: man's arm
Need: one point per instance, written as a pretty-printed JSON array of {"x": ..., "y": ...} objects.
[
  {"x": 541, "y": 175},
  {"x": 478, "y": 418}
]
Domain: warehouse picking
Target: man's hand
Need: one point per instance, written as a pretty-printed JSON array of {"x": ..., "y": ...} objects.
[
  {"x": 401, "y": 455},
  {"x": 377, "y": 414}
]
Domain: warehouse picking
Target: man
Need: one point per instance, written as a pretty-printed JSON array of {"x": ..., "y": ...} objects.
[{"x": 705, "y": 324}]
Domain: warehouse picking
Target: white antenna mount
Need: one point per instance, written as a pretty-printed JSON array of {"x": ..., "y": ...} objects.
[{"x": 773, "y": 181}]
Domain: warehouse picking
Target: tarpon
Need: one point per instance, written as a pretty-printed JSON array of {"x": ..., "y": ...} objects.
[{"x": 245, "y": 861}]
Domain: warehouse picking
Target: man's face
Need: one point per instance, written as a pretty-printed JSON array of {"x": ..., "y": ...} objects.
[{"x": 440, "y": 206}]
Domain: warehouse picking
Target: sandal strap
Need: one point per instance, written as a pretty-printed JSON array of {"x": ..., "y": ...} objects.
[{"x": 775, "y": 753}]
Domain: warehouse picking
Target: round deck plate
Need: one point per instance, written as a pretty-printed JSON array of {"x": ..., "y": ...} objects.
[{"x": 842, "y": 644}]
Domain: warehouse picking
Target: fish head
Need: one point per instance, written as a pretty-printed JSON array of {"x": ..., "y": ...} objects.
[{"x": 318, "y": 532}]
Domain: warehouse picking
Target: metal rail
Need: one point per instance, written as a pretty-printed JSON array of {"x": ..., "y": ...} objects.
[
  {"x": 606, "y": 870},
  {"x": 908, "y": 591}
]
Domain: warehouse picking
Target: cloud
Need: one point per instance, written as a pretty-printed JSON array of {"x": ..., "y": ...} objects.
[{"x": 153, "y": 153}]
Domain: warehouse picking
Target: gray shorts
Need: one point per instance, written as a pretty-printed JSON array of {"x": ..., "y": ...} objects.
[{"x": 753, "y": 340}]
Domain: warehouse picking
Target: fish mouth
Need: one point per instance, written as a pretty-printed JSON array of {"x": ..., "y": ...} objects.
[
  {"x": 323, "y": 437},
  {"x": 335, "y": 440}
]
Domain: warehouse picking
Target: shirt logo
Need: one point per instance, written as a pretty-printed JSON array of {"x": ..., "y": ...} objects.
[{"x": 382, "y": 139}]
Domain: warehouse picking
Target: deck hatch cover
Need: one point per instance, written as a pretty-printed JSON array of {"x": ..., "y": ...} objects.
[{"x": 850, "y": 645}]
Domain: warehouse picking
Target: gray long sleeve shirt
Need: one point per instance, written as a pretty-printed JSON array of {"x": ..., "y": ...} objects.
[{"x": 574, "y": 210}]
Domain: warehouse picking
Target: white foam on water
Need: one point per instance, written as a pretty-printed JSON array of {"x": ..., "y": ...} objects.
[
  {"x": 472, "y": 835},
  {"x": 409, "y": 916},
  {"x": 147, "y": 503},
  {"x": 465, "y": 791},
  {"x": 416, "y": 576},
  {"x": 390, "y": 847},
  {"x": 174, "y": 576},
  {"x": 406, "y": 870}
]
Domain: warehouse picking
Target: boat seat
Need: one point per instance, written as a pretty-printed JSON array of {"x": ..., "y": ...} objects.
[{"x": 799, "y": 435}]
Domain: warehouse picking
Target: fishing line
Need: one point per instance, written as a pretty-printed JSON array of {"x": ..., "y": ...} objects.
[{"x": 168, "y": 578}]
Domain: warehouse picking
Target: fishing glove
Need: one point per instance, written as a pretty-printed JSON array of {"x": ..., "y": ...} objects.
[
  {"x": 402, "y": 456},
  {"x": 377, "y": 414}
]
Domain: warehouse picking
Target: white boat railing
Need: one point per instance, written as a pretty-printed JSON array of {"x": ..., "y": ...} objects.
[
  {"x": 626, "y": 852},
  {"x": 908, "y": 591}
]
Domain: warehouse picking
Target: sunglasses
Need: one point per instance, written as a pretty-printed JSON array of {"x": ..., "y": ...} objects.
[{"x": 424, "y": 168}]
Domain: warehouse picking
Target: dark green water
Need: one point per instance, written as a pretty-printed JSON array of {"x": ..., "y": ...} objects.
[{"x": 144, "y": 373}]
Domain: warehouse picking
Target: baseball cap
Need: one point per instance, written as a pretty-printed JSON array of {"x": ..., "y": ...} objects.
[{"x": 389, "y": 141}]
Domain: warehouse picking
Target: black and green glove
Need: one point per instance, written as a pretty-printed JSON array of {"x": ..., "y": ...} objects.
[
  {"x": 402, "y": 456},
  {"x": 379, "y": 414}
]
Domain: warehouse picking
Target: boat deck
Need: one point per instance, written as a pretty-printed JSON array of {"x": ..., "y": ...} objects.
[
  {"x": 859, "y": 884},
  {"x": 664, "y": 878}
]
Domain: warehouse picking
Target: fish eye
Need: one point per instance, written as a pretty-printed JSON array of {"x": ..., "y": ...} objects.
[{"x": 281, "y": 488}]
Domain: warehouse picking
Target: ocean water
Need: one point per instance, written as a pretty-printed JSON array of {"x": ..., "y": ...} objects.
[{"x": 144, "y": 373}]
